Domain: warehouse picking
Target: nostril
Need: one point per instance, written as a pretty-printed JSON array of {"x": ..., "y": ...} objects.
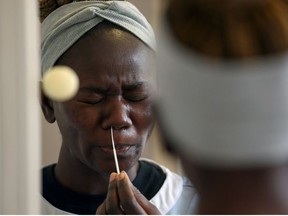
[
  {"x": 120, "y": 127},
  {"x": 121, "y": 122},
  {"x": 118, "y": 118}
]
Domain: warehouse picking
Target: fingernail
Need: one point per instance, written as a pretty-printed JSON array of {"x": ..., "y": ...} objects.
[
  {"x": 112, "y": 177},
  {"x": 122, "y": 175}
]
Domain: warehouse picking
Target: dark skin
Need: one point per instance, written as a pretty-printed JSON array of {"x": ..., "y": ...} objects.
[
  {"x": 115, "y": 70},
  {"x": 121, "y": 191},
  {"x": 239, "y": 191}
]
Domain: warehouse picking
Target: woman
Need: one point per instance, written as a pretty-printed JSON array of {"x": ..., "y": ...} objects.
[
  {"x": 227, "y": 113},
  {"x": 111, "y": 47}
]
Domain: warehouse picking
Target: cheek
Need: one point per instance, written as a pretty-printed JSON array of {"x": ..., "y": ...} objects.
[
  {"x": 76, "y": 118},
  {"x": 143, "y": 118}
]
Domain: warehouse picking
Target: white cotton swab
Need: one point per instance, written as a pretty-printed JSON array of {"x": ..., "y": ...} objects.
[{"x": 114, "y": 152}]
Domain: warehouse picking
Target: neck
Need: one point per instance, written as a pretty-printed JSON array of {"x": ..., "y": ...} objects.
[
  {"x": 75, "y": 175},
  {"x": 258, "y": 191}
]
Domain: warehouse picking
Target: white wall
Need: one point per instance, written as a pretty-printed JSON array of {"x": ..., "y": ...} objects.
[{"x": 19, "y": 108}]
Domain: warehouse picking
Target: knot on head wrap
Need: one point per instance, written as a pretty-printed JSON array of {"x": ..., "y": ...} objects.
[
  {"x": 64, "y": 26},
  {"x": 48, "y": 6}
]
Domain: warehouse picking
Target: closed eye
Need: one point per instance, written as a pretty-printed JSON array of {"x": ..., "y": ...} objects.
[
  {"x": 92, "y": 100},
  {"x": 91, "y": 95},
  {"x": 135, "y": 97},
  {"x": 136, "y": 92}
]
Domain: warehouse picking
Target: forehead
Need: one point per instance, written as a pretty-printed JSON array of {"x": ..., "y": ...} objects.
[{"x": 108, "y": 50}]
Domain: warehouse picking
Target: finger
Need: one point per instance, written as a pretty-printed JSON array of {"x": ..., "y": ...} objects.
[
  {"x": 148, "y": 207},
  {"x": 101, "y": 210},
  {"x": 112, "y": 200},
  {"x": 144, "y": 203},
  {"x": 128, "y": 202}
]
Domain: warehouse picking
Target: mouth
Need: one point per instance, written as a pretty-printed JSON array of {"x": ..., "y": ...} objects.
[{"x": 120, "y": 149}]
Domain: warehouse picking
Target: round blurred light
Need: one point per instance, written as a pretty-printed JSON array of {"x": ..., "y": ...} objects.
[{"x": 60, "y": 83}]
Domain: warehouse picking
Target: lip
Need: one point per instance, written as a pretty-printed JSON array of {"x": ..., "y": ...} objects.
[{"x": 121, "y": 149}]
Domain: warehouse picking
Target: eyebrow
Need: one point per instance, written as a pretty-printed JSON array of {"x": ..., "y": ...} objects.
[
  {"x": 126, "y": 87},
  {"x": 94, "y": 89},
  {"x": 133, "y": 86}
]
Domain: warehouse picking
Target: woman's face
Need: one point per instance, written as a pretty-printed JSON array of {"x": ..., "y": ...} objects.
[{"x": 116, "y": 90}]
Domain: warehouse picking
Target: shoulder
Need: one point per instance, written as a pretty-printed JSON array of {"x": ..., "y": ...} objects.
[
  {"x": 187, "y": 201},
  {"x": 48, "y": 178},
  {"x": 47, "y": 171},
  {"x": 177, "y": 194},
  {"x": 47, "y": 186},
  {"x": 49, "y": 209}
]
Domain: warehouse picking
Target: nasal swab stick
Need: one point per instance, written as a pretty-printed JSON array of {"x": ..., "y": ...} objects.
[{"x": 114, "y": 152}]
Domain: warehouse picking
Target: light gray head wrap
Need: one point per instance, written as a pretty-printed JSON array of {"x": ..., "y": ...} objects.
[
  {"x": 227, "y": 114},
  {"x": 64, "y": 26}
]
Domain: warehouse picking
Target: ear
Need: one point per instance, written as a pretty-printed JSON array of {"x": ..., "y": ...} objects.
[{"x": 47, "y": 107}]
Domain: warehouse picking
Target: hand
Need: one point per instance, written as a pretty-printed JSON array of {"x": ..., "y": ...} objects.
[{"x": 124, "y": 198}]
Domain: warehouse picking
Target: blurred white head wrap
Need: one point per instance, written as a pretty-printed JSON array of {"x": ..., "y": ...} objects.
[
  {"x": 64, "y": 26},
  {"x": 224, "y": 114}
]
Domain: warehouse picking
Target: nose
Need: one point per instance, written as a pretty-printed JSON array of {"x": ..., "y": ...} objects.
[{"x": 116, "y": 115}]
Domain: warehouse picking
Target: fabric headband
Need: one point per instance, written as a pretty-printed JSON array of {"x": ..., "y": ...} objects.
[
  {"x": 224, "y": 114},
  {"x": 64, "y": 26}
]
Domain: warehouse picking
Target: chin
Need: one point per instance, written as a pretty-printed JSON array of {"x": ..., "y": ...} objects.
[{"x": 128, "y": 166}]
